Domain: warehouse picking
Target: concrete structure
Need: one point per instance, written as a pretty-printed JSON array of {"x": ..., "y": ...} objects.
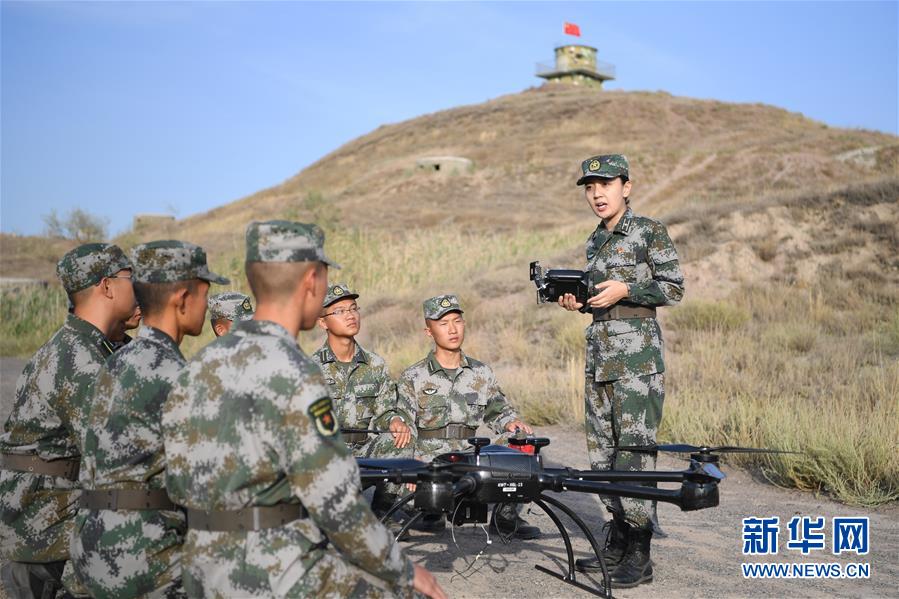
[
  {"x": 152, "y": 220},
  {"x": 444, "y": 164},
  {"x": 577, "y": 65}
]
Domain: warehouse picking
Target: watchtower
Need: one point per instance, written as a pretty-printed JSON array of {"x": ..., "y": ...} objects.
[{"x": 576, "y": 64}]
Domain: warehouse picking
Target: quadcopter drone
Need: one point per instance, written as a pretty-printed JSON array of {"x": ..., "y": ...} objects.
[{"x": 463, "y": 485}]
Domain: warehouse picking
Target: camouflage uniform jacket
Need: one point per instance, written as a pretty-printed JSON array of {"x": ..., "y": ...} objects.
[
  {"x": 123, "y": 450},
  {"x": 243, "y": 427},
  {"x": 51, "y": 399},
  {"x": 470, "y": 396},
  {"x": 638, "y": 252},
  {"x": 364, "y": 395}
]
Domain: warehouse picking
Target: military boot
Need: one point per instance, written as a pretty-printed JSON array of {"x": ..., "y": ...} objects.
[
  {"x": 635, "y": 567},
  {"x": 616, "y": 545}
]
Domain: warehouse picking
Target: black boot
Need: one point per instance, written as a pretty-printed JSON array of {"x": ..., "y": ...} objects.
[
  {"x": 616, "y": 546},
  {"x": 515, "y": 527},
  {"x": 636, "y": 566}
]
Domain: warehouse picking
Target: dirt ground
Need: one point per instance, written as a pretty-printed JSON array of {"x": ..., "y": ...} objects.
[{"x": 700, "y": 558}]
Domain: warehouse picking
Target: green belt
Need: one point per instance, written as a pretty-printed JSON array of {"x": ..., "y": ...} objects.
[
  {"x": 63, "y": 468},
  {"x": 249, "y": 518},
  {"x": 621, "y": 312},
  {"x": 126, "y": 499},
  {"x": 450, "y": 431}
]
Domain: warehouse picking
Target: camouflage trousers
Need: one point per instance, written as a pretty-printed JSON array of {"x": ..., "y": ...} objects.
[
  {"x": 287, "y": 561},
  {"x": 128, "y": 553},
  {"x": 624, "y": 412},
  {"x": 36, "y": 516}
]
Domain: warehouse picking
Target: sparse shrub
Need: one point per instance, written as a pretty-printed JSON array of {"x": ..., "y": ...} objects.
[
  {"x": 78, "y": 224},
  {"x": 28, "y": 317},
  {"x": 708, "y": 316}
]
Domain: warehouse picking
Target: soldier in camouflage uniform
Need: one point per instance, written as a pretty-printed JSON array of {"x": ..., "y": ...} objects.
[
  {"x": 255, "y": 455},
  {"x": 227, "y": 308},
  {"x": 632, "y": 262},
  {"x": 362, "y": 392},
  {"x": 128, "y": 533},
  {"x": 451, "y": 394},
  {"x": 39, "y": 449}
]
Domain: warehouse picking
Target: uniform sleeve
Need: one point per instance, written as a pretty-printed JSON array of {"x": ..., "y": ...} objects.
[
  {"x": 499, "y": 412},
  {"x": 406, "y": 403},
  {"x": 667, "y": 285},
  {"x": 387, "y": 403},
  {"x": 325, "y": 476}
]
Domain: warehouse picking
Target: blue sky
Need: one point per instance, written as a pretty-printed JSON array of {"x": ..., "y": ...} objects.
[{"x": 120, "y": 108}]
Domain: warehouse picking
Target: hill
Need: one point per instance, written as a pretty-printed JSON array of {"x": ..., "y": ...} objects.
[{"x": 788, "y": 232}]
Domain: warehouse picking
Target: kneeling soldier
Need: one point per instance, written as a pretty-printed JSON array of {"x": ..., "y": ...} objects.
[
  {"x": 227, "y": 308},
  {"x": 40, "y": 443},
  {"x": 254, "y": 453},
  {"x": 128, "y": 533},
  {"x": 451, "y": 394}
]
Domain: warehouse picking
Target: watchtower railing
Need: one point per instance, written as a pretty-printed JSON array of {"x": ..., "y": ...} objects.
[{"x": 603, "y": 69}]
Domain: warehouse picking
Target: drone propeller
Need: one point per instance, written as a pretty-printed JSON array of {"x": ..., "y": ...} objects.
[{"x": 704, "y": 450}]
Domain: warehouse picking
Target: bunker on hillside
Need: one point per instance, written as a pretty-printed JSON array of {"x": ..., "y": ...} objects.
[{"x": 444, "y": 164}]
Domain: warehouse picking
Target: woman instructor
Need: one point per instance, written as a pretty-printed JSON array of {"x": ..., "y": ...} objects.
[{"x": 633, "y": 266}]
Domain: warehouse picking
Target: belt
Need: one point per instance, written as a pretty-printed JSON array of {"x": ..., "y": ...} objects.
[
  {"x": 126, "y": 499},
  {"x": 620, "y": 312},
  {"x": 355, "y": 437},
  {"x": 249, "y": 518},
  {"x": 64, "y": 468},
  {"x": 450, "y": 431}
]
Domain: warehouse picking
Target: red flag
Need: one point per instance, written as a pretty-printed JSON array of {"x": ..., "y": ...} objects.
[{"x": 572, "y": 29}]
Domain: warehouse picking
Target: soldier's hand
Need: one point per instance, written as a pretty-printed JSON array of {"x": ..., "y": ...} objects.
[
  {"x": 516, "y": 424},
  {"x": 610, "y": 293},
  {"x": 569, "y": 302},
  {"x": 425, "y": 583},
  {"x": 402, "y": 434}
]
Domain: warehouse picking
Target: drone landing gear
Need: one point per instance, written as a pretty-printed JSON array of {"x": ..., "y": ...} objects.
[{"x": 571, "y": 577}]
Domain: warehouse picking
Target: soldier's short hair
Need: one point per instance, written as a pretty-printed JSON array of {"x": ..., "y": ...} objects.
[
  {"x": 153, "y": 297},
  {"x": 276, "y": 280}
]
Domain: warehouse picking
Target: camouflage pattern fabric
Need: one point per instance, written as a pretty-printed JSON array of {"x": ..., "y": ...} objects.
[
  {"x": 438, "y": 398},
  {"x": 627, "y": 353},
  {"x": 169, "y": 261},
  {"x": 230, "y": 305},
  {"x": 286, "y": 241},
  {"x": 435, "y": 308},
  {"x": 129, "y": 553},
  {"x": 37, "y": 511},
  {"x": 87, "y": 264},
  {"x": 607, "y": 166},
  {"x": 249, "y": 423},
  {"x": 337, "y": 292},
  {"x": 624, "y": 412},
  {"x": 363, "y": 396}
]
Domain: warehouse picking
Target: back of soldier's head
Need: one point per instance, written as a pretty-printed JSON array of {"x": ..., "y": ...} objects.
[
  {"x": 279, "y": 253},
  {"x": 165, "y": 267}
]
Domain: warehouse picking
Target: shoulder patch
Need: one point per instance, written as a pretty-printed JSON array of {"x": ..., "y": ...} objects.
[{"x": 322, "y": 414}]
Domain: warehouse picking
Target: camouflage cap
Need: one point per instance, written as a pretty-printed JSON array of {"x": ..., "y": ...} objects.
[
  {"x": 337, "y": 292},
  {"x": 230, "y": 305},
  {"x": 87, "y": 264},
  {"x": 170, "y": 260},
  {"x": 607, "y": 166},
  {"x": 286, "y": 241},
  {"x": 436, "y": 307}
]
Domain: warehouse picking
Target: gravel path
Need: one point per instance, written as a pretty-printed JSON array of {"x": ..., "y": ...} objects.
[{"x": 700, "y": 558}]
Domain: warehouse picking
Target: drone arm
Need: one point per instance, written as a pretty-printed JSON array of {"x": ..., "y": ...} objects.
[
  {"x": 615, "y": 490},
  {"x": 616, "y": 475}
]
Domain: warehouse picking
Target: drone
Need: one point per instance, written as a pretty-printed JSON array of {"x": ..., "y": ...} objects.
[{"x": 464, "y": 484}]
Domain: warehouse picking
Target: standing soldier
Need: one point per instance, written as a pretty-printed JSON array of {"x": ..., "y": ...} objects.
[
  {"x": 227, "y": 308},
  {"x": 632, "y": 262},
  {"x": 255, "y": 456},
  {"x": 450, "y": 394},
  {"x": 128, "y": 533},
  {"x": 39, "y": 449}
]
